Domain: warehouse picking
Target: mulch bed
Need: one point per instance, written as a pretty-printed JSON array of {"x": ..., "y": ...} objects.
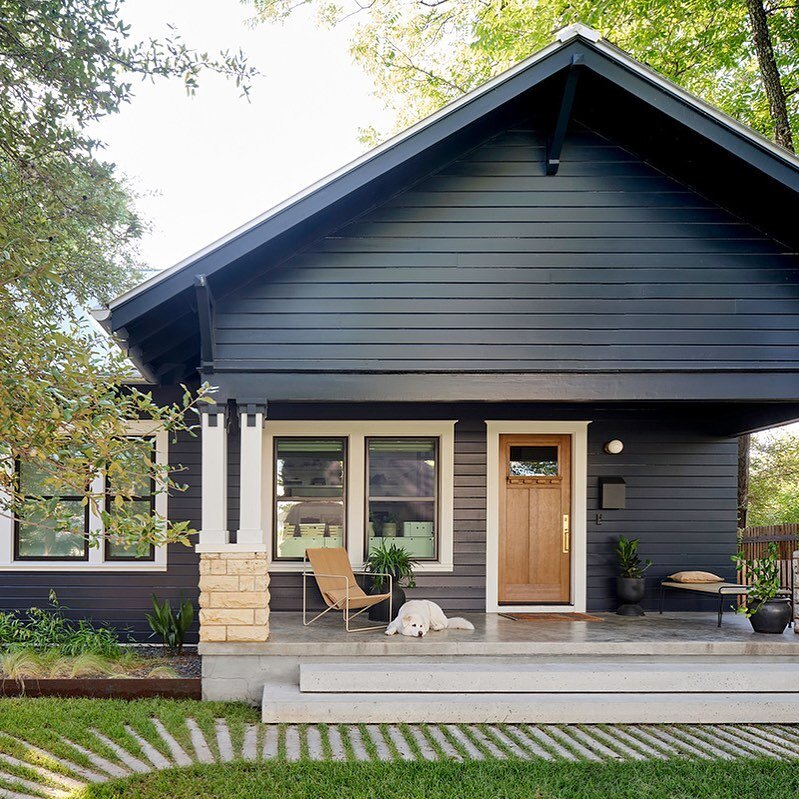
[{"x": 137, "y": 685}]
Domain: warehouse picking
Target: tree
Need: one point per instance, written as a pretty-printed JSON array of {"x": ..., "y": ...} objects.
[
  {"x": 68, "y": 233},
  {"x": 774, "y": 478},
  {"x": 741, "y": 56}
]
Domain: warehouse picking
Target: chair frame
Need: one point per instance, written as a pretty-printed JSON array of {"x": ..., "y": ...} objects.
[{"x": 345, "y": 605}]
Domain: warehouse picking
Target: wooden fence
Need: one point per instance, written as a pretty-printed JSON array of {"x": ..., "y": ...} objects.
[{"x": 754, "y": 545}]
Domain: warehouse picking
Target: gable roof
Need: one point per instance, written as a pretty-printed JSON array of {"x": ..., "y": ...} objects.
[{"x": 636, "y": 106}]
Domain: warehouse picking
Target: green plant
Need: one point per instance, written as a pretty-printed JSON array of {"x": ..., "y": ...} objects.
[
  {"x": 390, "y": 559},
  {"x": 171, "y": 625},
  {"x": 763, "y": 577},
  {"x": 630, "y": 564},
  {"x": 48, "y": 629}
]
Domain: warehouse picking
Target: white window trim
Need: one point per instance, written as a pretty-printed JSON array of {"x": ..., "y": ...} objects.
[
  {"x": 96, "y": 561},
  {"x": 579, "y": 499},
  {"x": 356, "y": 434}
]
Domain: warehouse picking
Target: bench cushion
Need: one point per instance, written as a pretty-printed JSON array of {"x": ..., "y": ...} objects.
[{"x": 695, "y": 577}]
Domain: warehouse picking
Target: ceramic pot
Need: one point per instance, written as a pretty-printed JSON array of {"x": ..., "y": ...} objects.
[
  {"x": 389, "y": 529},
  {"x": 630, "y": 591},
  {"x": 772, "y": 616}
]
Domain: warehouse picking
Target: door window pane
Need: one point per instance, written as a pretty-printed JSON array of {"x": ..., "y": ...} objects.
[
  {"x": 533, "y": 461},
  {"x": 402, "y": 494},
  {"x": 309, "y": 495}
]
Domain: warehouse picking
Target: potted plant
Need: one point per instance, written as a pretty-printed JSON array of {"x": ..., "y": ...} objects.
[
  {"x": 767, "y": 611},
  {"x": 389, "y": 559},
  {"x": 630, "y": 585}
]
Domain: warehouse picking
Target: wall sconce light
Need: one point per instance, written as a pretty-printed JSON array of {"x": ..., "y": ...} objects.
[{"x": 614, "y": 447}]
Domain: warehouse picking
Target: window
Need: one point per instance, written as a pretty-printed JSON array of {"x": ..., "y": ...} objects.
[
  {"x": 389, "y": 480},
  {"x": 60, "y": 536},
  {"x": 402, "y": 494},
  {"x": 533, "y": 461},
  {"x": 62, "y": 544},
  {"x": 142, "y": 502},
  {"x": 309, "y": 491}
]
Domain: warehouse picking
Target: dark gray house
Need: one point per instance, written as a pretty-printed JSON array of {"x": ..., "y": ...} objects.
[{"x": 435, "y": 344}]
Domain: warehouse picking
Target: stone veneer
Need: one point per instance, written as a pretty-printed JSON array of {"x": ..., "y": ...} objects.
[{"x": 234, "y": 597}]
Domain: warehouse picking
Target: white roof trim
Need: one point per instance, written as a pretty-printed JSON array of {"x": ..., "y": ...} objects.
[
  {"x": 577, "y": 29},
  {"x": 564, "y": 36}
]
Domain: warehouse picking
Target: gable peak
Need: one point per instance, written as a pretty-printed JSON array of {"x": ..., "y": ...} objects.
[{"x": 577, "y": 29}]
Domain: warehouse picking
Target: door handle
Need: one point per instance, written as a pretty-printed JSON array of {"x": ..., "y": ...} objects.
[{"x": 566, "y": 534}]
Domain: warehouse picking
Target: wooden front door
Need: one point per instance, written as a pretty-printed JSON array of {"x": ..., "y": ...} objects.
[{"x": 534, "y": 519}]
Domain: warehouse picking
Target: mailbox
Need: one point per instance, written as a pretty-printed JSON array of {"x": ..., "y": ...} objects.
[{"x": 612, "y": 493}]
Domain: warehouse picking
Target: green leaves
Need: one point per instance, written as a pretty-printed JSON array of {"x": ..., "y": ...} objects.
[
  {"x": 424, "y": 54},
  {"x": 762, "y": 576},
  {"x": 630, "y": 564},
  {"x": 774, "y": 478},
  {"x": 391, "y": 559},
  {"x": 68, "y": 239},
  {"x": 169, "y": 625}
]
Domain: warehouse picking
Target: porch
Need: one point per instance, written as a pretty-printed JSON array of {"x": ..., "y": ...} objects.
[
  {"x": 495, "y": 635},
  {"x": 678, "y": 667}
]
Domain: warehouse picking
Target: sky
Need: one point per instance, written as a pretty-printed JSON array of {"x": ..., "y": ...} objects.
[{"x": 206, "y": 164}]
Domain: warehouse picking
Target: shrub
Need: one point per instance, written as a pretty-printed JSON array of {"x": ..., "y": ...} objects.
[
  {"x": 47, "y": 629},
  {"x": 170, "y": 625},
  {"x": 630, "y": 564}
]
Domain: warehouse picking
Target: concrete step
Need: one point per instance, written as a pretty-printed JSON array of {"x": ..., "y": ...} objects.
[
  {"x": 287, "y": 704},
  {"x": 588, "y": 676}
]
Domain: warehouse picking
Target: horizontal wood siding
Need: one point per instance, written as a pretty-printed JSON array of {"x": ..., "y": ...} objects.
[
  {"x": 491, "y": 265},
  {"x": 681, "y": 498}
]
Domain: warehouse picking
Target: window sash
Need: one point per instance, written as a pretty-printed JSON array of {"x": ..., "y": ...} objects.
[
  {"x": 19, "y": 524},
  {"x": 435, "y": 499},
  {"x": 276, "y": 499},
  {"x": 109, "y": 500}
]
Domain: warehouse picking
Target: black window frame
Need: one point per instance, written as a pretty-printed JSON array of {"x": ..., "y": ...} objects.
[
  {"x": 436, "y": 499},
  {"x": 108, "y": 498},
  {"x": 345, "y": 441},
  {"x": 61, "y": 498}
]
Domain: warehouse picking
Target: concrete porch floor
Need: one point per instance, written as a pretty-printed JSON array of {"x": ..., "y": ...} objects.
[{"x": 653, "y": 634}]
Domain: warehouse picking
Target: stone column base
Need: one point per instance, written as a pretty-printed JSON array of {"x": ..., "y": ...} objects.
[{"x": 234, "y": 596}]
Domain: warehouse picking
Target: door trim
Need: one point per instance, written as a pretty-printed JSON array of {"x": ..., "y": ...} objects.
[{"x": 578, "y": 430}]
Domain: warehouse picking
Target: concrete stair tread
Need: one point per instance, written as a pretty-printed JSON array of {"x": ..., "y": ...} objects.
[
  {"x": 586, "y": 676},
  {"x": 287, "y": 704}
]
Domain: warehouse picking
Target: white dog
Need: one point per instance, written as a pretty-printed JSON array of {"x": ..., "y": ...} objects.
[{"x": 418, "y": 616}]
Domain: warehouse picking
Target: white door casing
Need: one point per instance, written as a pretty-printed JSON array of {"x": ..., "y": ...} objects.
[{"x": 578, "y": 430}]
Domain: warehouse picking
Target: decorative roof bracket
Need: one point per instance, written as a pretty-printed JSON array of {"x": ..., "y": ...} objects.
[
  {"x": 205, "y": 317},
  {"x": 555, "y": 141}
]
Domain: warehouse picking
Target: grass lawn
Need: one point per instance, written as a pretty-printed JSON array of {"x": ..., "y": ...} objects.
[
  {"x": 167, "y": 749},
  {"x": 497, "y": 780}
]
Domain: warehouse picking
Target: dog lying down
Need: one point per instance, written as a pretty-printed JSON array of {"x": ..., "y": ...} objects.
[{"x": 418, "y": 616}]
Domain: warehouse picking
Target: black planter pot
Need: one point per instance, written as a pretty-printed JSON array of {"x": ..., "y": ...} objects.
[
  {"x": 773, "y": 616},
  {"x": 630, "y": 591},
  {"x": 380, "y": 612}
]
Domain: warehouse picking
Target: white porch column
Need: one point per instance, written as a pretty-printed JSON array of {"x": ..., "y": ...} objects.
[
  {"x": 214, "y": 532},
  {"x": 234, "y": 577},
  {"x": 252, "y": 506}
]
